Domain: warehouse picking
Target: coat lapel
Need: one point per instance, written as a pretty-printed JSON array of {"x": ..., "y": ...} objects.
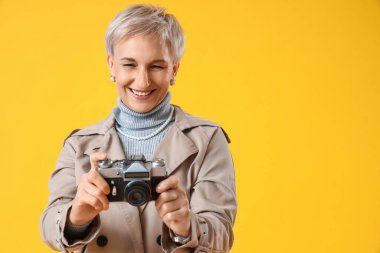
[
  {"x": 175, "y": 148},
  {"x": 112, "y": 145},
  {"x": 107, "y": 141}
]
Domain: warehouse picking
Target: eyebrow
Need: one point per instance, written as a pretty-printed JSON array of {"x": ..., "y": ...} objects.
[
  {"x": 154, "y": 61},
  {"x": 127, "y": 58}
]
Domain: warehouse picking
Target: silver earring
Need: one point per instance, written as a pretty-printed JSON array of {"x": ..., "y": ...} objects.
[
  {"x": 112, "y": 78},
  {"x": 172, "y": 81}
]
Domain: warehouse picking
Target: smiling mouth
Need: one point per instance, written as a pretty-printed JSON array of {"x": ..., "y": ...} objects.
[{"x": 141, "y": 93}]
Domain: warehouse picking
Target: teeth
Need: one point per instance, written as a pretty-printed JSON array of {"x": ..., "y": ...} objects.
[{"x": 140, "y": 93}]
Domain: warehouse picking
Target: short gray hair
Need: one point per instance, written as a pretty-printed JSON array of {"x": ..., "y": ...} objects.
[{"x": 146, "y": 19}]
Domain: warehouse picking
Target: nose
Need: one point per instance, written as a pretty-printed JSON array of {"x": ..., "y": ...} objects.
[{"x": 142, "y": 79}]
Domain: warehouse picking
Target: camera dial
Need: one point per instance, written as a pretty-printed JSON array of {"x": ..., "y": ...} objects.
[
  {"x": 103, "y": 164},
  {"x": 159, "y": 162}
]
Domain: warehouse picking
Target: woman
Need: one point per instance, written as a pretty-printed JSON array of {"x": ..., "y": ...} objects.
[{"x": 196, "y": 207}]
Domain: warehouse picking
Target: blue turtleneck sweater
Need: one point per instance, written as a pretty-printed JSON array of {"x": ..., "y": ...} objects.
[{"x": 131, "y": 123}]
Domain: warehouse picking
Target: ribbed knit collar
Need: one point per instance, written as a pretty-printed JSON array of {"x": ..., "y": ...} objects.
[{"x": 131, "y": 121}]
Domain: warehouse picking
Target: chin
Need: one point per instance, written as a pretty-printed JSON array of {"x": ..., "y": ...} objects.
[{"x": 141, "y": 106}]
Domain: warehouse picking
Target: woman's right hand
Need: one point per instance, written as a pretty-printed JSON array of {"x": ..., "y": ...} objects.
[{"x": 90, "y": 198}]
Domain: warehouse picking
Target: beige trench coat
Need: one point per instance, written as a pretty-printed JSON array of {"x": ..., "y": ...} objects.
[{"x": 195, "y": 150}]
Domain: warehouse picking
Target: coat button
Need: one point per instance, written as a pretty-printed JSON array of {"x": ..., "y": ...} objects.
[
  {"x": 102, "y": 240},
  {"x": 158, "y": 240}
]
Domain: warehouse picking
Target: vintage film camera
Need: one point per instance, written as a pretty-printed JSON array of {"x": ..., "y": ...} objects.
[{"x": 133, "y": 180}]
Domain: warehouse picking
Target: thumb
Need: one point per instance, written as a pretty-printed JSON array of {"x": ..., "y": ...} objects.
[{"x": 95, "y": 157}]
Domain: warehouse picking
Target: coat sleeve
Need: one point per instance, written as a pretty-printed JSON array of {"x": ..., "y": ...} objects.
[
  {"x": 213, "y": 202},
  {"x": 62, "y": 187}
]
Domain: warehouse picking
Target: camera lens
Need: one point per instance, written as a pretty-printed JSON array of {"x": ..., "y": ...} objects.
[
  {"x": 136, "y": 197},
  {"x": 137, "y": 193}
]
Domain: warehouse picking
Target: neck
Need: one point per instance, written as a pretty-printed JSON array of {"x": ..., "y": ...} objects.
[
  {"x": 140, "y": 133},
  {"x": 129, "y": 120}
]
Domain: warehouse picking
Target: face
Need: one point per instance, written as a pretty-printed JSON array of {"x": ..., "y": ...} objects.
[{"x": 142, "y": 67}]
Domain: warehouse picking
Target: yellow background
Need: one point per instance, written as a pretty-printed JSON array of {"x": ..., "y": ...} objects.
[{"x": 294, "y": 83}]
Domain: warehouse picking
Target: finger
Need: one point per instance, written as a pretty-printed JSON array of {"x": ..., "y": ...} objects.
[
  {"x": 167, "y": 197},
  {"x": 168, "y": 207},
  {"x": 169, "y": 183},
  {"x": 176, "y": 215},
  {"x": 164, "y": 207},
  {"x": 95, "y": 157},
  {"x": 97, "y": 193},
  {"x": 96, "y": 179},
  {"x": 85, "y": 198}
]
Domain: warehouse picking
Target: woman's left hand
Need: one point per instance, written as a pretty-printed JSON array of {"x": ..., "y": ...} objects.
[{"x": 173, "y": 206}]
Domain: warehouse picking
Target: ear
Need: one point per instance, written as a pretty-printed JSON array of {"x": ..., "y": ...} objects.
[
  {"x": 175, "y": 68},
  {"x": 110, "y": 64}
]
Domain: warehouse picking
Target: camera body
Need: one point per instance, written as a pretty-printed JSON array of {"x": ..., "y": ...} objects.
[{"x": 133, "y": 180}]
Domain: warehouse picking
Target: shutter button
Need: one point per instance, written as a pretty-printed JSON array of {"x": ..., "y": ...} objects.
[
  {"x": 102, "y": 241},
  {"x": 158, "y": 240}
]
